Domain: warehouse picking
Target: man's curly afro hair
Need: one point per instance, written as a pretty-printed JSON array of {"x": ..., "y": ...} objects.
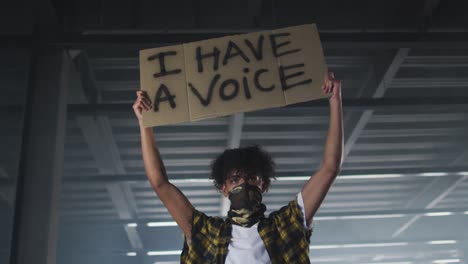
[{"x": 248, "y": 160}]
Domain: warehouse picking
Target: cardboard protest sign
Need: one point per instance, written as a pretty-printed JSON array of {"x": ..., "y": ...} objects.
[
  {"x": 240, "y": 73},
  {"x": 301, "y": 64},
  {"x": 162, "y": 76},
  {"x": 245, "y": 79}
]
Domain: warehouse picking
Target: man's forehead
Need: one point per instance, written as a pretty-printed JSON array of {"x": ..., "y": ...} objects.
[{"x": 236, "y": 172}]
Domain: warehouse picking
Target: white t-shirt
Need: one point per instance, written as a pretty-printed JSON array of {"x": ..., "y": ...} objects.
[{"x": 247, "y": 246}]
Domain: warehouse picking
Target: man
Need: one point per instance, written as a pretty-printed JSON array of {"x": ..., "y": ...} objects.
[{"x": 243, "y": 175}]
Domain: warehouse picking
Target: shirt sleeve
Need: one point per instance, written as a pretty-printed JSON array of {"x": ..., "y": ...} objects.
[
  {"x": 205, "y": 225},
  {"x": 289, "y": 224},
  {"x": 300, "y": 203},
  {"x": 208, "y": 234}
]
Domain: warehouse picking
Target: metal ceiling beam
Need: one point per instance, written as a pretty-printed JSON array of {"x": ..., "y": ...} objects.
[
  {"x": 201, "y": 162},
  {"x": 390, "y": 252},
  {"x": 429, "y": 7},
  {"x": 421, "y": 117},
  {"x": 7, "y": 194},
  {"x": 414, "y": 132},
  {"x": 254, "y": 11},
  {"x": 3, "y": 173},
  {"x": 401, "y": 157},
  {"x": 430, "y": 196},
  {"x": 379, "y": 92},
  {"x": 461, "y": 159},
  {"x": 405, "y": 83},
  {"x": 427, "y": 13},
  {"x": 97, "y": 131},
  {"x": 377, "y": 214},
  {"x": 119, "y": 199},
  {"x": 436, "y": 61},
  {"x": 330, "y": 40},
  {"x": 126, "y": 211},
  {"x": 406, "y": 172},
  {"x": 350, "y": 253},
  {"x": 440, "y": 188},
  {"x": 432, "y": 192},
  {"x": 236, "y": 122},
  {"x": 87, "y": 79},
  {"x": 400, "y": 103}
]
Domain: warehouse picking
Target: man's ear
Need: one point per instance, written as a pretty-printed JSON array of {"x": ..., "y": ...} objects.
[{"x": 224, "y": 190}]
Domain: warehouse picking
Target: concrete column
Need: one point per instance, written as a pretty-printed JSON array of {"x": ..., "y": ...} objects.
[{"x": 41, "y": 166}]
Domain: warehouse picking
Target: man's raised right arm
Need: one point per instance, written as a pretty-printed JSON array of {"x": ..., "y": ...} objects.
[{"x": 175, "y": 201}]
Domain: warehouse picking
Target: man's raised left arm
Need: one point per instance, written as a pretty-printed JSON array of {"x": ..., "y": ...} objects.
[{"x": 316, "y": 188}]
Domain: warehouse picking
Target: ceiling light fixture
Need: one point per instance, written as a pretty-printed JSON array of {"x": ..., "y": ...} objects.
[
  {"x": 433, "y": 174},
  {"x": 441, "y": 242},
  {"x": 400, "y": 262},
  {"x": 324, "y": 246},
  {"x": 443, "y": 261},
  {"x": 371, "y": 216},
  {"x": 438, "y": 214},
  {"x": 191, "y": 181},
  {"x": 156, "y": 224},
  {"x": 340, "y": 177},
  {"x": 396, "y": 244},
  {"x": 294, "y": 178},
  {"x": 164, "y": 253},
  {"x": 370, "y": 176},
  {"x": 344, "y": 177}
]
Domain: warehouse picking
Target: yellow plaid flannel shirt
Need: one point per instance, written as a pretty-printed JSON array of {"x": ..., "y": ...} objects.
[{"x": 283, "y": 233}]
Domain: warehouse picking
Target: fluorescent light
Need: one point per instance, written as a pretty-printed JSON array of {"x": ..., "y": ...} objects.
[
  {"x": 295, "y": 178},
  {"x": 348, "y": 217},
  {"x": 440, "y": 242},
  {"x": 443, "y": 261},
  {"x": 466, "y": 212},
  {"x": 191, "y": 180},
  {"x": 433, "y": 174},
  {"x": 344, "y": 177},
  {"x": 131, "y": 254},
  {"x": 369, "y": 245},
  {"x": 364, "y": 245},
  {"x": 404, "y": 262},
  {"x": 375, "y": 245},
  {"x": 153, "y": 224},
  {"x": 372, "y": 216},
  {"x": 323, "y": 218},
  {"x": 438, "y": 214},
  {"x": 164, "y": 253},
  {"x": 369, "y": 176},
  {"x": 132, "y": 224},
  {"x": 324, "y": 246}
]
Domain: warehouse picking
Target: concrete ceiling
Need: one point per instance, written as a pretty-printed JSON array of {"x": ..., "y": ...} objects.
[{"x": 402, "y": 195}]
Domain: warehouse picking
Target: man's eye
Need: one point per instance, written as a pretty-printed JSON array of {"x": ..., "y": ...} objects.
[
  {"x": 234, "y": 180},
  {"x": 254, "y": 179}
]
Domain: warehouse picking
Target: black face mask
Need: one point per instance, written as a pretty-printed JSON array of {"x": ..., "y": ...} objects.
[{"x": 246, "y": 205}]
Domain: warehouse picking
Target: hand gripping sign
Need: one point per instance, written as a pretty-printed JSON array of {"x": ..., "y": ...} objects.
[{"x": 240, "y": 73}]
